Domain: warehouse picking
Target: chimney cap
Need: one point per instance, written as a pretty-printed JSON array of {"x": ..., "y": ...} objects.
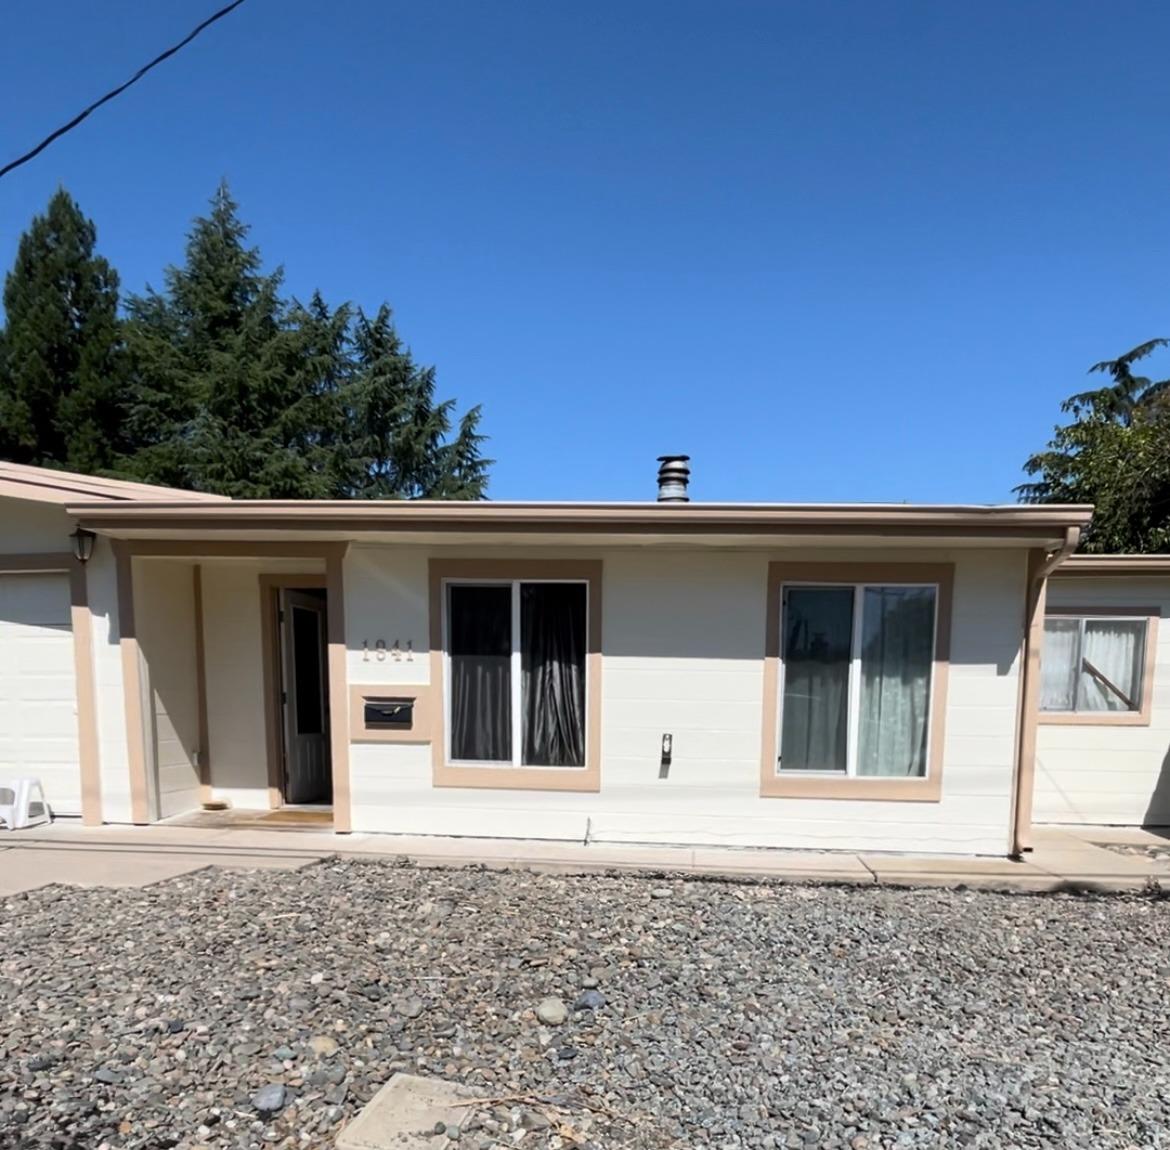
[{"x": 673, "y": 478}]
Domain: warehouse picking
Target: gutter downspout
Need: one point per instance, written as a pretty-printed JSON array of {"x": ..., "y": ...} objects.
[{"x": 1040, "y": 567}]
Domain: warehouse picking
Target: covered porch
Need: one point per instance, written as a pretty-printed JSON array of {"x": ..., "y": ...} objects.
[{"x": 234, "y": 674}]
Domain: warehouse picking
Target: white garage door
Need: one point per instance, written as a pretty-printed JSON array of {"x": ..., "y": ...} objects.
[{"x": 38, "y": 699}]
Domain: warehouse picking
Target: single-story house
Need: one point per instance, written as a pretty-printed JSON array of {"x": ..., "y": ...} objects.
[{"x": 858, "y": 676}]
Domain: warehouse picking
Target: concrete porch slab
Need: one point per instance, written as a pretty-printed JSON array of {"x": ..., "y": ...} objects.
[{"x": 405, "y": 1114}]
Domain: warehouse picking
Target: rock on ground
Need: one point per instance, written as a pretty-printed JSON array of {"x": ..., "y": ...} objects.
[{"x": 725, "y": 1014}]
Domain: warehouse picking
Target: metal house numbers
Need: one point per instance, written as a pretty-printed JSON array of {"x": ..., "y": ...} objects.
[{"x": 379, "y": 652}]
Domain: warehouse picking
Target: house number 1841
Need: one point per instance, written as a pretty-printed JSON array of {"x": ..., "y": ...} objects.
[{"x": 381, "y": 652}]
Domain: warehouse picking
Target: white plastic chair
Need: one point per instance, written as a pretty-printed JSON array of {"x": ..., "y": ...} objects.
[{"x": 22, "y": 804}]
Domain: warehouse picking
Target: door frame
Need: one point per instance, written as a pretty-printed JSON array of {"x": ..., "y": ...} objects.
[{"x": 270, "y": 585}]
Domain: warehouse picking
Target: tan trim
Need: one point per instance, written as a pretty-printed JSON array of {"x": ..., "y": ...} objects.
[
  {"x": 31, "y": 563},
  {"x": 587, "y": 778},
  {"x": 422, "y": 728},
  {"x": 792, "y": 786},
  {"x": 204, "y": 734},
  {"x": 358, "y": 515},
  {"x": 271, "y": 672},
  {"x": 1080, "y": 566},
  {"x": 1035, "y": 597},
  {"x": 338, "y": 689},
  {"x": 132, "y": 687},
  {"x": 1138, "y": 718},
  {"x": 227, "y": 549},
  {"x": 89, "y": 762}
]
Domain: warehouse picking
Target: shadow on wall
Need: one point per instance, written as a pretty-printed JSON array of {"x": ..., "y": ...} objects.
[{"x": 1158, "y": 811}]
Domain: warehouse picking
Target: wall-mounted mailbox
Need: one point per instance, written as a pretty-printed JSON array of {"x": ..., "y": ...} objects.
[{"x": 389, "y": 714}]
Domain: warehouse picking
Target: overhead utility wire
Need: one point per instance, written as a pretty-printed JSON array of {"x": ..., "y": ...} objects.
[{"x": 117, "y": 91}]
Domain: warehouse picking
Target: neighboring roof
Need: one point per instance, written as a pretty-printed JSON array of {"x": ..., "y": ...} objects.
[
  {"x": 1131, "y": 565},
  {"x": 1027, "y": 522},
  {"x": 47, "y": 485}
]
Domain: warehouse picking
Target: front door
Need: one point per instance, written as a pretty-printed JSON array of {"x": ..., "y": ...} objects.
[{"x": 305, "y": 694}]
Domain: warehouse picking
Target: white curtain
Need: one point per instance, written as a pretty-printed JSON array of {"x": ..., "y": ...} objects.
[
  {"x": 1113, "y": 649},
  {"x": 897, "y": 654},
  {"x": 1058, "y": 660}
]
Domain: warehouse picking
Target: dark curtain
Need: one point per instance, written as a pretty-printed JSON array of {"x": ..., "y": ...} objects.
[
  {"x": 480, "y": 648},
  {"x": 552, "y": 659},
  {"x": 818, "y": 642}
]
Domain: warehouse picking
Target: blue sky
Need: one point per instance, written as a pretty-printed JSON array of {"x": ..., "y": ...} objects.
[{"x": 835, "y": 251}]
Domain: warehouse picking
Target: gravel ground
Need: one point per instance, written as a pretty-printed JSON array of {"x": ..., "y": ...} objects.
[{"x": 264, "y": 1008}]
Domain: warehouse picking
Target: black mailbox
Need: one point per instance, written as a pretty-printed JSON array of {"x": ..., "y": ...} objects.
[{"x": 389, "y": 714}]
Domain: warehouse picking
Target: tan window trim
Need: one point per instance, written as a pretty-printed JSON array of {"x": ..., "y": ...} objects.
[
  {"x": 1138, "y": 718},
  {"x": 791, "y": 786},
  {"x": 444, "y": 774}
]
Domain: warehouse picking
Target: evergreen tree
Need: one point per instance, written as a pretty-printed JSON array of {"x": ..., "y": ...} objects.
[
  {"x": 238, "y": 391},
  {"x": 396, "y": 433},
  {"x": 61, "y": 363},
  {"x": 1115, "y": 454}
]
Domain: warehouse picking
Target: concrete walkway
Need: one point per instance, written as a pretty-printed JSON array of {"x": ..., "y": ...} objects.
[{"x": 119, "y": 856}]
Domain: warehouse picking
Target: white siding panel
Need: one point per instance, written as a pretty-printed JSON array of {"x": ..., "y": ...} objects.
[
  {"x": 683, "y": 646},
  {"x": 1106, "y": 774},
  {"x": 38, "y": 694}
]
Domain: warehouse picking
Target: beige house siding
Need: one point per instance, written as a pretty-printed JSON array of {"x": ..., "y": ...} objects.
[
  {"x": 1109, "y": 774},
  {"x": 682, "y": 649},
  {"x": 233, "y": 655},
  {"x": 165, "y": 611}
]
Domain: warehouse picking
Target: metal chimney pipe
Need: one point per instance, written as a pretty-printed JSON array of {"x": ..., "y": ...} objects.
[{"x": 673, "y": 477}]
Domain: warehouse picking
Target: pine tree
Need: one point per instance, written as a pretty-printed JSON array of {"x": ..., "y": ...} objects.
[
  {"x": 206, "y": 383},
  {"x": 61, "y": 361},
  {"x": 397, "y": 433},
  {"x": 238, "y": 391}
]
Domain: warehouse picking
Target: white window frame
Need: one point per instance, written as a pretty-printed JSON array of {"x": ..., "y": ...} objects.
[
  {"x": 854, "y": 724},
  {"x": 1082, "y": 619},
  {"x": 517, "y": 678}
]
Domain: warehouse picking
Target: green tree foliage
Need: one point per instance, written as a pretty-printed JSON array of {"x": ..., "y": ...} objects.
[
  {"x": 239, "y": 391},
  {"x": 1114, "y": 454},
  {"x": 218, "y": 382},
  {"x": 61, "y": 363}
]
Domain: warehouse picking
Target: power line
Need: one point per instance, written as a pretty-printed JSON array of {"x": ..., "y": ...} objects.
[{"x": 119, "y": 90}]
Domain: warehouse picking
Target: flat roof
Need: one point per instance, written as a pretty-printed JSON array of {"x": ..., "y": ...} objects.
[
  {"x": 1131, "y": 565},
  {"x": 1009, "y": 521}
]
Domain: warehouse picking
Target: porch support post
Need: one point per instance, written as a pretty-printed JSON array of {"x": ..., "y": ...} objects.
[
  {"x": 201, "y": 689},
  {"x": 1035, "y": 596},
  {"x": 87, "y": 734},
  {"x": 338, "y": 687},
  {"x": 131, "y": 685}
]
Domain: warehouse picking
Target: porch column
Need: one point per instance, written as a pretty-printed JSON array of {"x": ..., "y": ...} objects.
[
  {"x": 131, "y": 685},
  {"x": 338, "y": 686},
  {"x": 87, "y": 733}
]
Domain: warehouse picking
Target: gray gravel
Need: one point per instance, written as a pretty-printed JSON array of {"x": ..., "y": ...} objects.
[{"x": 263, "y": 1009}]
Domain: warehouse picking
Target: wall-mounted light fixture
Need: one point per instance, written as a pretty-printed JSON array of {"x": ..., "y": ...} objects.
[
  {"x": 667, "y": 750},
  {"x": 83, "y": 542}
]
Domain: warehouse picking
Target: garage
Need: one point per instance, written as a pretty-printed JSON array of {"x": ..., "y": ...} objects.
[{"x": 38, "y": 697}]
